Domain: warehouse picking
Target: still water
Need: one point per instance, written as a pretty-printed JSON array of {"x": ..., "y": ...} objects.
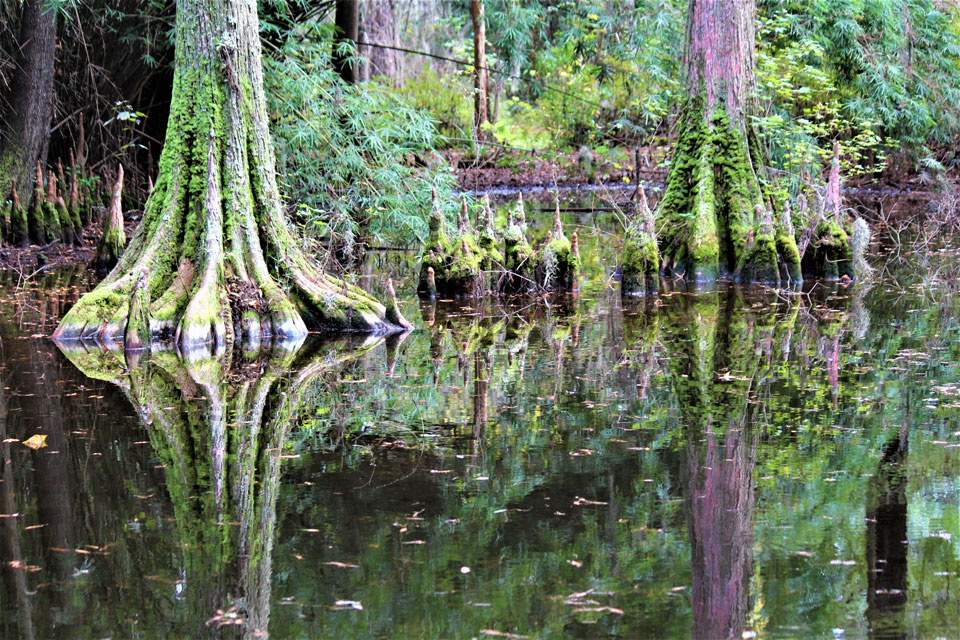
[{"x": 728, "y": 463}]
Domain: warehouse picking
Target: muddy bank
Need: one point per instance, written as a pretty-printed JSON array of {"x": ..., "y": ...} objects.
[
  {"x": 56, "y": 254},
  {"x": 506, "y": 172}
]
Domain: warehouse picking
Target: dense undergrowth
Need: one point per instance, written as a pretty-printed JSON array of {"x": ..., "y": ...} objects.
[
  {"x": 879, "y": 76},
  {"x": 580, "y": 82},
  {"x": 356, "y": 161}
]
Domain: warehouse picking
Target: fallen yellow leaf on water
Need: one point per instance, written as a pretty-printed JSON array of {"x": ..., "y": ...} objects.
[{"x": 36, "y": 441}]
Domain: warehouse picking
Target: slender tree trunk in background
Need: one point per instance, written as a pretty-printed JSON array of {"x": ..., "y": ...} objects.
[
  {"x": 347, "y": 21},
  {"x": 213, "y": 258},
  {"x": 481, "y": 78},
  {"x": 379, "y": 27},
  {"x": 716, "y": 221},
  {"x": 25, "y": 132}
]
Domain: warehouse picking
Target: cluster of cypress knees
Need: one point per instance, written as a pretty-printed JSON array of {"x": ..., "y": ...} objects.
[
  {"x": 477, "y": 259},
  {"x": 62, "y": 204}
]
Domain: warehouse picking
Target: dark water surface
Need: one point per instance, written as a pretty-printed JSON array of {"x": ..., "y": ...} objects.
[{"x": 726, "y": 464}]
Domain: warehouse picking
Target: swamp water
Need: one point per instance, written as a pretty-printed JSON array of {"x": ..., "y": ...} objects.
[{"x": 732, "y": 463}]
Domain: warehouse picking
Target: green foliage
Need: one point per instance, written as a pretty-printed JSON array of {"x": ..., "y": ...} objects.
[
  {"x": 611, "y": 71},
  {"x": 890, "y": 67},
  {"x": 447, "y": 97},
  {"x": 804, "y": 112},
  {"x": 567, "y": 73},
  {"x": 357, "y": 160}
]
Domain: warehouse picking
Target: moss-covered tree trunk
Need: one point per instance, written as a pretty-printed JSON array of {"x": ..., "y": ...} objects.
[
  {"x": 220, "y": 261},
  {"x": 25, "y": 113},
  {"x": 714, "y": 218}
]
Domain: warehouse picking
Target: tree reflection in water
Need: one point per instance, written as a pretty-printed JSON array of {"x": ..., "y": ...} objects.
[
  {"x": 219, "y": 427},
  {"x": 723, "y": 352}
]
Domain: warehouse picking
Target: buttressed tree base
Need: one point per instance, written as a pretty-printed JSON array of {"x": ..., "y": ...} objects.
[
  {"x": 213, "y": 256},
  {"x": 714, "y": 217}
]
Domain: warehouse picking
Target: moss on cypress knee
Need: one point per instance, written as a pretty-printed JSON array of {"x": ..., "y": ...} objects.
[
  {"x": 18, "y": 230},
  {"x": 640, "y": 262}
]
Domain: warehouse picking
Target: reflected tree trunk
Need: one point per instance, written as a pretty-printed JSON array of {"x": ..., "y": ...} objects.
[
  {"x": 10, "y": 546},
  {"x": 482, "y": 365},
  {"x": 720, "y": 503},
  {"x": 886, "y": 542},
  {"x": 219, "y": 429},
  {"x": 725, "y": 354}
]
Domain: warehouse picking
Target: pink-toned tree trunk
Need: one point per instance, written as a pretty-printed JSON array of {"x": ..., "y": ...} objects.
[
  {"x": 719, "y": 57},
  {"x": 715, "y": 219}
]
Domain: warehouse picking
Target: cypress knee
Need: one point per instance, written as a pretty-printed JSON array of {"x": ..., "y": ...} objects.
[
  {"x": 640, "y": 270},
  {"x": 112, "y": 238}
]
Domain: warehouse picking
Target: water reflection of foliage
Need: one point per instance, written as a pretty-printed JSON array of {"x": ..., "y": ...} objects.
[
  {"x": 591, "y": 403},
  {"x": 637, "y": 399},
  {"x": 219, "y": 428}
]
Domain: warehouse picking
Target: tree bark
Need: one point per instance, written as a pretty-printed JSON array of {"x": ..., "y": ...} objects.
[
  {"x": 219, "y": 261},
  {"x": 347, "y": 21},
  {"x": 379, "y": 27},
  {"x": 481, "y": 78},
  {"x": 716, "y": 220},
  {"x": 26, "y": 135},
  {"x": 112, "y": 238}
]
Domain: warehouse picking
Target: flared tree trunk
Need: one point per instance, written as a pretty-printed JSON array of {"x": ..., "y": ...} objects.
[
  {"x": 25, "y": 134},
  {"x": 714, "y": 218},
  {"x": 481, "y": 78},
  {"x": 214, "y": 256}
]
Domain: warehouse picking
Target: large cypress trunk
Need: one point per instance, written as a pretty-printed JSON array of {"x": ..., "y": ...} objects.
[
  {"x": 214, "y": 257},
  {"x": 25, "y": 136},
  {"x": 715, "y": 217}
]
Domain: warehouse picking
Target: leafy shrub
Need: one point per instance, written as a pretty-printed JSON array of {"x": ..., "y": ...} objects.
[
  {"x": 447, "y": 97},
  {"x": 893, "y": 63},
  {"x": 358, "y": 161},
  {"x": 802, "y": 112}
]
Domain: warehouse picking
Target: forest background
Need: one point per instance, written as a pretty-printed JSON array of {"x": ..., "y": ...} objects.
[{"x": 366, "y": 126}]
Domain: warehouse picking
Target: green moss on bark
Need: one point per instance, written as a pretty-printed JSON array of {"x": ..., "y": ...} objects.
[
  {"x": 829, "y": 252},
  {"x": 17, "y": 229},
  {"x": 137, "y": 331},
  {"x": 215, "y": 214},
  {"x": 712, "y": 215}
]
